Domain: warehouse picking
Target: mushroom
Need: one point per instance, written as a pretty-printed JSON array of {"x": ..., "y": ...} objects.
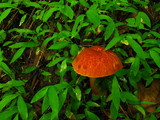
[{"x": 94, "y": 62}]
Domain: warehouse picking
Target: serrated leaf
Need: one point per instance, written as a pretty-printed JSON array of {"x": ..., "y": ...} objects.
[
  {"x": 6, "y": 100},
  {"x": 4, "y": 14},
  {"x": 18, "y": 54},
  {"x": 115, "y": 93},
  {"x": 22, "y": 108},
  {"x": 59, "y": 45},
  {"x": 49, "y": 13},
  {"x": 136, "y": 47},
  {"x": 67, "y": 10},
  {"x": 156, "y": 57},
  {"x": 41, "y": 93}
]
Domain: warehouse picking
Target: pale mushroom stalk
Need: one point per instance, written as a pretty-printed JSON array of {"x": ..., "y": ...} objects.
[{"x": 95, "y": 88}]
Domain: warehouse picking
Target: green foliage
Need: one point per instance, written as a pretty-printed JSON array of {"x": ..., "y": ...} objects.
[{"x": 39, "y": 40}]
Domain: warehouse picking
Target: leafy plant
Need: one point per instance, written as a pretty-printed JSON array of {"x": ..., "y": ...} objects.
[{"x": 39, "y": 40}]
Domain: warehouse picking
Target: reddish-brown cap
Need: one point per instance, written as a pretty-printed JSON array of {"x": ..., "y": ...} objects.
[{"x": 95, "y": 62}]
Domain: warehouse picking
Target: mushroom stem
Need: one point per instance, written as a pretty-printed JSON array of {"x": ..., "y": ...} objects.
[{"x": 95, "y": 88}]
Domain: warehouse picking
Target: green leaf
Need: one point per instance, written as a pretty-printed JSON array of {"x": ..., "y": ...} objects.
[
  {"x": 41, "y": 93},
  {"x": 59, "y": 26},
  {"x": 32, "y": 4},
  {"x": 17, "y": 54},
  {"x": 113, "y": 42},
  {"x": 77, "y": 25},
  {"x": 23, "y": 44},
  {"x": 140, "y": 109},
  {"x": 62, "y": 98},
  {"x": 22, "y": 19},
  {"x": 53, "y": 102},
  {"x": 5, "y": 5},
  {"x": 91, "y": 116},
  {"x": 22, "y": 108},
  {"x": 29, "y": 69},
  {"x": 146, "y": 66},
  {"x": 45, "y": 103},
  {"x": 2, "y": 36},
  {"x": 153, "y": 117},
  {"x": 156, "y": 57},
  {"x": 63, "y": 68},
  {"x": 78, "y": 93},
  {"x": 92, "y": 104},
  {"x": 109, "y": 30},
  {"x": 49, "y": 13},
  {"x": 84, "y": 3},
  {"x": 59, "y": 45},
  {"x": 4, "y": 14},
  {"x": 114, "y": 111},
  {"x": 128, "y": 96},
  {"x": 135, "y": 66},
  {"x": 155, "y": 34},
  {"x": 46, "y": 117},
  {"x": 93, "y": 16},
  {"x": 16, "y": 117},
  {"x": 7, "y": 114},
  {"x": 143, "y": 18},
  {"x": 6, "y": 100},
  {"x": 15, "y": 83},
  {"x": 67, "y": 10},
  {"x": 136, "y": 47},
  {"x": 115, "y": 93},
  {"x": 55, "y": 61},
  {"x": 74, "y": 49},
  {"x": 22, "y": 31},
  {"x": 7, "y": 70}
]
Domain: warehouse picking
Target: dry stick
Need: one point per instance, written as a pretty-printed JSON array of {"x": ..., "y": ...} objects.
[{"x": 124, "y": 111}]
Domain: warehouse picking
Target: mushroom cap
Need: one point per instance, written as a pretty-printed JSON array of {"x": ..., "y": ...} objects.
[{"x": 95, "y": 62}]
